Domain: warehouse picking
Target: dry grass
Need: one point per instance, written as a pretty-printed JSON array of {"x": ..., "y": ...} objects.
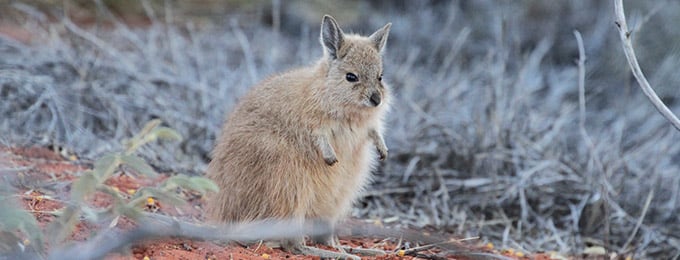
[{"x": 485, "y": 137}]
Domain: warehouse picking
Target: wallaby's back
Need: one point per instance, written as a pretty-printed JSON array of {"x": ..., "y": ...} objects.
[{"x": 302, "y": 144}]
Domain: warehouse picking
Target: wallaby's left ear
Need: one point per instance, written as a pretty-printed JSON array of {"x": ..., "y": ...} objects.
[
  {"x": 332, "y": 36},
  {"x": 379, "y": 37}
]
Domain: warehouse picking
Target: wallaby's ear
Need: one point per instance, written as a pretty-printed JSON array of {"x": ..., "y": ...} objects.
[
  {"x": 379, "y": 37},
  {"x": 331, "y": 36}
]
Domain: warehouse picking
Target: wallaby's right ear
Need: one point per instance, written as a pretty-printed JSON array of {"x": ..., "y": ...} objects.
[
  {"x": 331, "y": 36},
  {"x": 380, "y": 37}
]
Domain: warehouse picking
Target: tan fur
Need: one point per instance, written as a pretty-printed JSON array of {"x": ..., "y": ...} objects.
[{"x": 301, "y": 145}]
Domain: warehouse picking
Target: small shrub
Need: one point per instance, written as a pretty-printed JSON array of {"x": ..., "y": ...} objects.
[{"x": 13, "y": 218}]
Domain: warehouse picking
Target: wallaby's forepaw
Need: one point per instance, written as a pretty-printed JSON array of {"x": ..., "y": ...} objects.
[
  {"x": 379, "y": 143},
  {"x": 382, "y": 153},
  {"x": 330, "y": 160},
  {"x": 327, "y": 151}
]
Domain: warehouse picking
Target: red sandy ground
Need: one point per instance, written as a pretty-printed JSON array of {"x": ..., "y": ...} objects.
[{"x": 43, "y": 165}]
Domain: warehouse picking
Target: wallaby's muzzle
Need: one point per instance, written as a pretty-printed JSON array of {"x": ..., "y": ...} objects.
[{"x": 375, "y": 99}]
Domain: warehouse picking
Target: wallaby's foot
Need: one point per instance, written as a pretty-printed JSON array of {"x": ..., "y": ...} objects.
[
  {"x": 363, "y": 251},
  {"x": 301, "y": 249},
  {"x": 323, "y": 253},
  {"x": 335, "y": 243}
]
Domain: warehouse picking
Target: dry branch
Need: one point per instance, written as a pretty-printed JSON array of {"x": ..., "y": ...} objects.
[
  {"x": 153, "y": 226},
  {"x": 627, "y": 44}
]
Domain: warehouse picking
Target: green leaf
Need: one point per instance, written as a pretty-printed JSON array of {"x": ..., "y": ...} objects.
[
  {"x": 206, "y": 183},
  {"x": 167, "y": 197},
  {"x": 200, "y": 184},
  {"x": 126, "y": 209},
  {"x": 147, "y": 128},
  {"x": 83, "y": 186},
  {"x": 90, "y": 214},
  {"x": 138, "y": 164},
  {"x": 63, "y": 226},
  {"x": 180, "y": 180},
  {"x": 130, "y": 212},
  {"x": 105, "y": 166},
  {"x": 164, "y": 133},
  {"x": 140, "y": 138},
  {"x": 151, "y": 132},
  {"x": 119, "y": 205},
  {"x": 12, "y": 217}
]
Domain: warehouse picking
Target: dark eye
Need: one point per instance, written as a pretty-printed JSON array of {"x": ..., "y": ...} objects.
[
  {"x": 380, "y": 77},
  {"x": 351, "y": 77}
]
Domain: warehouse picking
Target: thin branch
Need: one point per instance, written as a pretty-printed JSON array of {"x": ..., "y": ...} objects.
[
  {"x": 582, "y": 100},
  {"x": 627, "y": 44},
  {"x": 581, "y": 81},
  {"x": 642, "y": 217},
  {"x": 606, "y": 187}
]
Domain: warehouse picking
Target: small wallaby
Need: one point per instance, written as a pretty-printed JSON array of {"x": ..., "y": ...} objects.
[{"x": 301, "y": 145}]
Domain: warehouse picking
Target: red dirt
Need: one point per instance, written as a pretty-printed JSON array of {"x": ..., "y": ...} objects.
[{"x": 41, "y": 165}]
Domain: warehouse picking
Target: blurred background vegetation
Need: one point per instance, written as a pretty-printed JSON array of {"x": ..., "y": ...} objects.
[{"x": 484, "y": 135}]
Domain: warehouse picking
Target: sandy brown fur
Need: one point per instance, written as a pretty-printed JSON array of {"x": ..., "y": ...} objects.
[{"x": 302, "y": 144}]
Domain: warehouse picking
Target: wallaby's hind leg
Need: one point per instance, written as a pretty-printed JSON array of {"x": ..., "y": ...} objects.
[{"x": 323, "y": 233}]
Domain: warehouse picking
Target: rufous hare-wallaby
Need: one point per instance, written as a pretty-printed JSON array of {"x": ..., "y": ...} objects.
[{"x": 301, "y": 145}]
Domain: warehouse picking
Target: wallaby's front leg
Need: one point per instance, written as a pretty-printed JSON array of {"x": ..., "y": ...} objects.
[
  {"x": 379, "y": 143},
  {"x": 327, "y": 152}
]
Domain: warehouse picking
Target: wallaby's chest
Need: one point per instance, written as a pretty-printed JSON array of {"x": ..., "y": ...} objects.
[{"x": 348, "y": 139}]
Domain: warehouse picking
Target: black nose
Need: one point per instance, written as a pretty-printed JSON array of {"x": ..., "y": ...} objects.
[{"x": 375, "y": 99}]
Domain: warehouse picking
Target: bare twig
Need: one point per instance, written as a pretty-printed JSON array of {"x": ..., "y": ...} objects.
[
  {"x": 625, "y": 36},
  {"x": 648, "y": 201},
  {"x": 582, "y": 99},
  {"x": 605, "y": 186},
  {"x": 581, "y": 86}
]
